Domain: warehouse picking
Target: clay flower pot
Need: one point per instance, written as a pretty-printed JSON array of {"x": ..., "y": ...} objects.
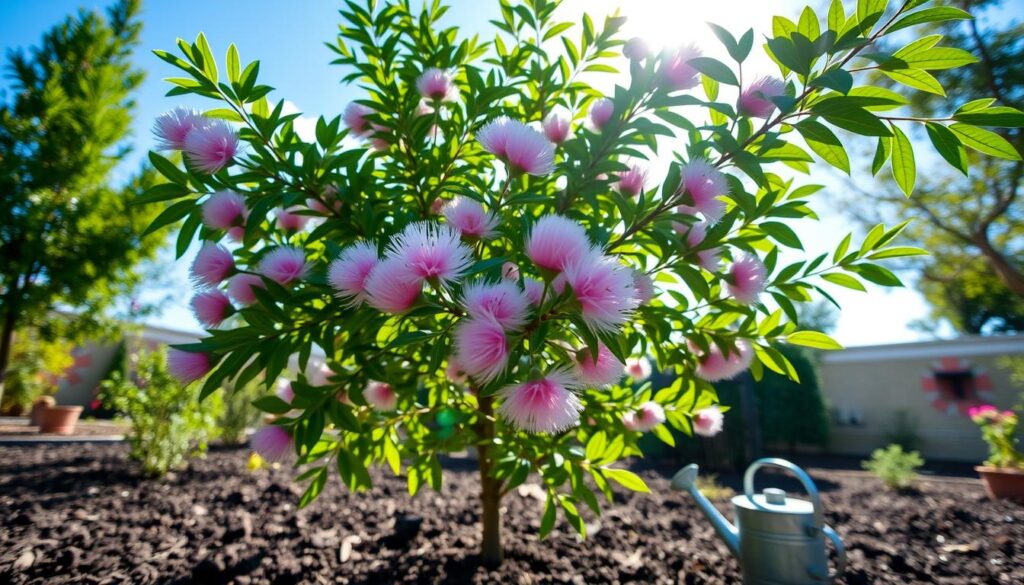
[
  {"x": 59, "y": 420},
  {"x": 1002, "y": 482},
  {"x": 38, "y": 406}
]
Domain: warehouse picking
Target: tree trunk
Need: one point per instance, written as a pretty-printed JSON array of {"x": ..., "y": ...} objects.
[
  {"x": 491, "y": 552},
  {"x": 1008, "y": 273},
  {"x": 6, "y": 339}
]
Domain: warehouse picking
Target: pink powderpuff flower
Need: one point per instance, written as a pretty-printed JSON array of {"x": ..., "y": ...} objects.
[
  {"x": 272, "y": 442},
  {"x": 241, "y": 286},
  {"x": 355, "y": 117},
  {"x": 171, "y": 128},
  {"x": 379, "y": 135},
  {"x": 289, "y": 220},
  {"x": 188, "y": 366},
  {"x": 349, "y": 272},
  {"x": 431, "y": 252},
  {"x": 629, "y": 421},
  {"x": 631, "y": 181},
  {"x": 604, "y": 289},
  {"x": 715, "y": 366},
  {"x": 437, "y": 86},
  {"x": 319, "y": 374},
  {"x": 643, "y": 287},
  {"x": 392, "y": 287},
  {"x": 469, "y": 217},
  {"x": 710, "y": 259},
  {"x": 649, "y": 415},
  {"x": 597, "y": 373},
  {"x": 556, "y": 241},
  {"x": 455, "y": 372},
  {"x": 503, "y": 302},
  {"x": 756, "y": 100},
  {"x": 237, "y": 234},
  {"x": 509, "y": 271},
  {"x": 437, "y": 205},
  {"x": 285, "y": 391},
  {"x": 601, "y": 112},
  {"x": 212, "y": 307},
  {"x": 380, "y": 396},
  {"x": 224, "y": 210},
  {"x": 284, "y": 265},
  {"x": 482, "y": 348},
  {"x": 703, "y": 183},
  {"x": 212, "y": 265},
  {"x": 695, "y": 234},
  {"x": 520, "y": 147},
  {"x": 211, "y": 147},
  {"x": 556, "y": 127},
  {"x": 708, "y": 422},
  {"x": 638, "y": 368},
  {"x": 546, "y": 405},
  {"x": 534, "y": 290},
  {"x": 746, "y": 279},
  {"x": 636, "y": 49},
  {"x": 677, "y": 71}
]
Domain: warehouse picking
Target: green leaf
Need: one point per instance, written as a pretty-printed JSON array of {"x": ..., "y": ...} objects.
[
  {"x": 272, "y": 404},
  {"x": 842, "y": 248},
  {"x": 825, "y": 144},
  {"x": 314, "y": 489},
  {"x": 814, "y": 339},
  {"x": 170, "y": 215},
  {"x": 934, "y": 14},
  {"x": 626, "y": 479},
  {"x": 838, "y": 79},
  {"x": 808, "y": 24},
  {"x": 596, "y": 445},
  {"x": 985, "y": 141},
  {"x": 781, "y": 233},
  {"x": 1001, "y": 116},
  {"x": 898, "y": 252},
  {"x": 233, "y": 63},
  {"x": 547, "y": 522},
  {"x": 882, "y": 154},
  {"x": 947, "y": 145},
  {"x": 916, "y": 79},
  {"x": 844, "y": 280},
  {"x": 168, "y": 169},
  {"x": 209, "y": 63},
  {"x": 904, "y": 169},
  {"x": 161, "y": 192},
  {"x": 869, "y": 12},
  {"x": 714, "y": 69},
  {"x": 846, "y": 114},
  {"x": 877, "y": 274}
]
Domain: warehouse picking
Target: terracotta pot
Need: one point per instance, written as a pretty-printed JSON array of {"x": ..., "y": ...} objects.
[
  {"x": 38, "y": 406},
  {"x": 59, "y": 420},
  {"x": 1003, "y": 482}
]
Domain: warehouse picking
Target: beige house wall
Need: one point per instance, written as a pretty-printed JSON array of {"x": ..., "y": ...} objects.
[{"x": 866, "y": 386}]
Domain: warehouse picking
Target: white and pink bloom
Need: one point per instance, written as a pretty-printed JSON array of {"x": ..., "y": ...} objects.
[
  {"x": 291, "y": 221},
  {"x": 534, "y": 290},
  {"x": 631, "y": 181},
  {"x": 211, "y": 147},
  {"x": 638, "y": 368},
  {"x": 545, "y": 405},
  {"x": 349, "y": 272},
  {"x": 556, "y": 127},
  {"x": 746, "y": 279},
  {"x": 482, "y": 348},
  {"x": 211, "y": 307},
  {"x": 636, "y": 49},
  {"x": 469, "y": 217},
  {"x": 241, "y": 286},
  {"x": 677, "y": 70},
  {"x": 714, "y": 365},
  {"x": 598, "y": 373},
  {"x": 284, "y": 390},
  {"x": 272, "y": 442},
  {"x": 503, "y": 302},
  {"x": 509, "y": 271},
  {"x": 709, "y": 258},
  {"x": 455, "y": 373},
  {"x": 392, "y": 286},
  {"x": 284, "y": 265},
  {"x": 703, "y": 183},
  {"x": 171, "y": 128},
  {"x": 355, "y": 117},
  {"x": 212, "y": 265},
  {"x": 756, "y": 99},
  {"x": 431, "y": 252},
  {"x": 604, "y": 289},
  {"x": 643, "y": 287},
  {"x": 380, "y": 396},
  {"x": 188, "y": 366},
  {"x": 556, "y": 241},
  {"x": 708, "y": 422},
  {"x": 224, "y": 210},
  {"x": 520, "y": 147},
  {"x": 379, "y": 137},
  {"x": 601, "y": 112},
  {"x": 649, "y": 415},
  {"x": 436, "y": 85}
]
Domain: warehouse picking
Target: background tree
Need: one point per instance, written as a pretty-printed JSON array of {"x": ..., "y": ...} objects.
[{"x": 67, "y": 237}]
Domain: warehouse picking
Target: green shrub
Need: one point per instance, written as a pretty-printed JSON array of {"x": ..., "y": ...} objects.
[
  {"x": 167, "y": 423},
  {"x": 239, "y": 413},
  {"x": 895, "y": 467}
]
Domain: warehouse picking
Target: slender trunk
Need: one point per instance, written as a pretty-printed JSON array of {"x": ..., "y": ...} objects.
[
  {"x": 491, "y": 552},
  {"x": 1008, "y": 273},
  {"x": 6, "y": 339}
]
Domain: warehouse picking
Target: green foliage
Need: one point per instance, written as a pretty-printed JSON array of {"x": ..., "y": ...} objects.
[
  {"x": 896, "y": 468},
  {"x": 238, "y": 413},
  {"x": 999, "y": 430},
  {"x": 168, "y": 423}
]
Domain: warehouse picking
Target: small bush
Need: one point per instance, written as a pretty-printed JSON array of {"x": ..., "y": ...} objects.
[
  {"x": 168, "y": 425},
  {"x": 239, "y": 413},
  {"x": 895, "y": 467},
  {"x": 709, "y": 486}
]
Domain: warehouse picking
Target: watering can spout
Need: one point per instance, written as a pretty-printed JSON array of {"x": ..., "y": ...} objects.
[{"x": 686, "y": 480}]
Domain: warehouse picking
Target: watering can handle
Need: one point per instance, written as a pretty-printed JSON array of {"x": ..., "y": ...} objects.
[{"x": 812, "y": 491}]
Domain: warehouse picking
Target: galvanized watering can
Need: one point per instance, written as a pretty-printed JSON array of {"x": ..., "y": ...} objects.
[{"x": 778, "y": 540}]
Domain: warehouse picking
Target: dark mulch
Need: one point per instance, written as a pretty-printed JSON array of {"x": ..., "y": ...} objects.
[{"x": 81, "y": 513}]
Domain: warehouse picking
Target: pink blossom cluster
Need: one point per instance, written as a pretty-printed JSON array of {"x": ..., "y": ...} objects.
[
  {"x": 715, "y": 365},
  {"x": 208, "y": 145}
]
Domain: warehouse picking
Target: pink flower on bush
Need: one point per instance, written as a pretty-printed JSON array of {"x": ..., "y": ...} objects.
[
  {"x": 503, "y": 302},
  {"x": 284, "y": 265},
  {"x": 545, "y": 405},
  {"x": 482, "y": 348},
  {"x": 431, "y": 252},
  {"x": 677, "y": 71},
  {"x": 534, "y": 290},
  {"x": 638, "y": 368},
  {"x": 703, "y": 183},
  {"x": 522, "y": 148},
  {"x": 379, "y": 137},
  {"x": 237, "y": 234},
  {"x": 392, "y": 287},
  {"x": 649, "y": 415},
  {"x": 469, "y": 217},
  {"x": 746, "y": 279},
  {"x": 241, "y": 286},
  {"x": 714, "y": 365},
  {"x": 604, "y": 289},
  {"x": 211, "y": 307},
  {"x": 355, "y": 117},
  {"x": 455, "y": 373},
  {"x": 285, "y": 391},
  {"x": 509, "y": 271},
  {"x": 982, "y": 411},
  {"x": 643, "y": 287},
  {"x": 556, "y": 241},
  {"x": 631, "y": 181},
  {"x": 601, "y": 112},
  {"x": 224, "y": 210},
  {"x": 755, "y": 100},
  {"x": 211, "y": 147},
  {"x": 290, "y": 221},
  {"x": 708, "y": 422},
  {"x": 187, "y": 366},
  {"x": 556, "y": 127},
  {"x": 171, "y": 128},
  {"x": 436, "y": 85},
  {"x": 272, "y": 442},
  {"x": 212, "y": 265},
  {"x": 380, "y": 396},
  {"x": 636, "y": 49},
  {"x": 604, "y": 371},
  {"x": 348, "y": 274}
]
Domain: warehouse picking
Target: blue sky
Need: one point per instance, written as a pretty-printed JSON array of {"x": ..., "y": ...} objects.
[{"x": 288, "y": 39}]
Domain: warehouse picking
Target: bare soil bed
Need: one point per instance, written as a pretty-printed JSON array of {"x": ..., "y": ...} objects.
[{"x": 83, "y": 514}]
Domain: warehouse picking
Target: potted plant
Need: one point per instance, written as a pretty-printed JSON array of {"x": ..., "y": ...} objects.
[
  {"x": 38, "y": 406},
  {"x": 59, "y": 420},
  {"x": 1003, "y": 471}
]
